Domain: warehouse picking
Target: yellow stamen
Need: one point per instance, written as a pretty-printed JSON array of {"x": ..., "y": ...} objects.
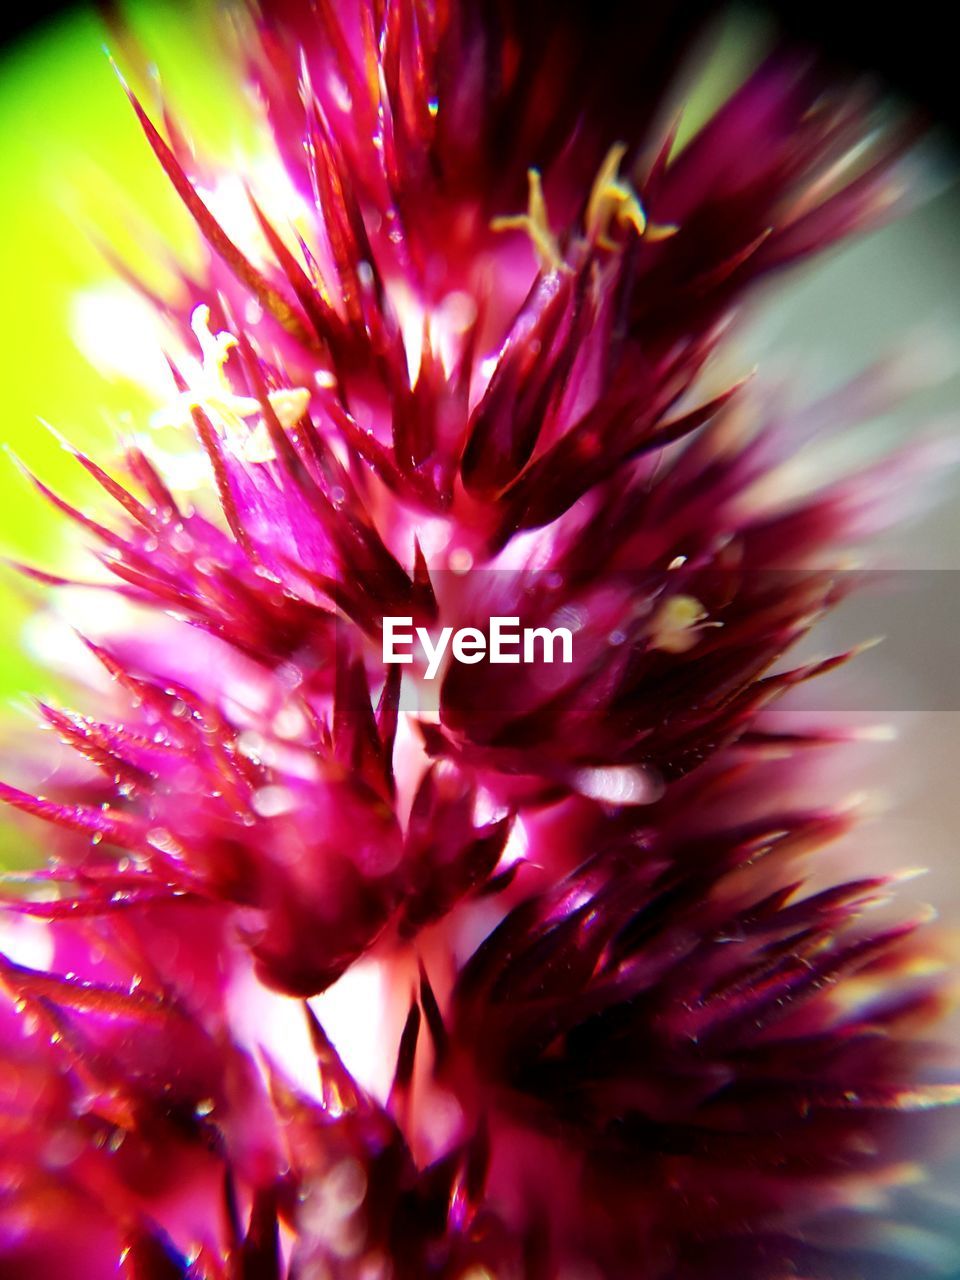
[
  {"x": 613, "y": 200},
  {"x": 675, "y": 626},
  {"x": 536, "y": 224},
  {"x": 213, "y": 394},
  {"x": 215, "y": 348}
]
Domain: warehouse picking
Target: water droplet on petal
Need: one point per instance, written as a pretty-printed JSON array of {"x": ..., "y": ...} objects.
[{"x": 619, "y": 784}]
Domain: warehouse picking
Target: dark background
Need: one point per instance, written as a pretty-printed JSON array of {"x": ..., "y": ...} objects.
[{"x": 909, "y": 45}]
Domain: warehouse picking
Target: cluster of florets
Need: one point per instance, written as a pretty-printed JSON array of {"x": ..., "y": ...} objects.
[{"x": 460, "y": 361}]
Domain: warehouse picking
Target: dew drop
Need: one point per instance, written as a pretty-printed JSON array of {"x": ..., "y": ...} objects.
[
  {"x": 618, "y": 784},
  {"x": 270, "y": 802}
]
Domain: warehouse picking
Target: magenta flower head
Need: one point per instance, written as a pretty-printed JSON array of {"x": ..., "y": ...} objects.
[{"x": 435, "y": 883}]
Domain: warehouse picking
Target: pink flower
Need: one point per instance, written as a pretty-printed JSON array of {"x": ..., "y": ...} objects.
[{"x": 457, "y": 359}]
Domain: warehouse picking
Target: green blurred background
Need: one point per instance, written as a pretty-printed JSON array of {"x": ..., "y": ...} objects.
[{"x": 73, "y": 159}]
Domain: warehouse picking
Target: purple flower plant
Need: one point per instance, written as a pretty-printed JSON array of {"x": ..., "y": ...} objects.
[{"x": 459, "y": 360}]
